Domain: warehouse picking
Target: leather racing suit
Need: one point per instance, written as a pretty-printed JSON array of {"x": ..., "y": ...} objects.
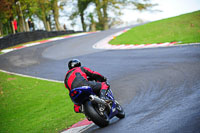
[{"x": 78, "y": 77}]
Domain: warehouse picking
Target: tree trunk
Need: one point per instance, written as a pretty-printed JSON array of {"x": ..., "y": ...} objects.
[
  {"x": 105, "y": 15},
  {"x": 93, "y": 27},
  {"x": 21, "y": 24},
  {"x": 10, "y": 26},
  {"x": 99, "y": 13},
  {"x": 93, "y": 24},
  {"x": 44, "y": 18},
  {"x": 1, "y": 29},
  {"x": 83, "y": 21},
  {"x": 82, "y": 6},
  {"x": 46, "y": 24},
  {"x": 56, "y": 14},
  {"x": 13, "y": 29}
]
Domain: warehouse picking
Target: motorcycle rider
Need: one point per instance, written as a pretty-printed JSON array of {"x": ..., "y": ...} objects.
[{"x": 78, "y": 75}]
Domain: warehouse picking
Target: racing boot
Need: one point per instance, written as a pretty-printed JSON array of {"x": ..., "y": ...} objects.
[{"x": 103, "y": 91}]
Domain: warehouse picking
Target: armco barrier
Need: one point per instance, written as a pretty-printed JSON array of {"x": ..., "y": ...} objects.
[{"x": 23, "y": 37}]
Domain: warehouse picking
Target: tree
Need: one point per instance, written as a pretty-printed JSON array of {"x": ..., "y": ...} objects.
[
  {"x": 6, "y": 16},
  {"x": 98, "y": 5},
  {"x": 145, "y": 5},
  {"x": 55, "y": 9},
  {"x": 104, "y": 6},
  {"x": 22, "y": 10},
  {"x": 93, "y": 23},
  {"x": 56, "y": 13},
  {"x": 81, "y": 6},
  {"x": 43, "y": 12},
  {"x": 49, "y": 9},
  {"x": 48, "y": 12},
  {"x": 20, "y": 15}
]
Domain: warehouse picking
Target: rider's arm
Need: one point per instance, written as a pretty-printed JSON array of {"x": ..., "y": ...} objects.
[{"x": 94, "y": 75}]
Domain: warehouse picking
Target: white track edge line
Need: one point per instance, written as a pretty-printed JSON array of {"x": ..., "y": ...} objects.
[
  {"x": 31, "y": 76},
  {"x": 50, "y": 39}
]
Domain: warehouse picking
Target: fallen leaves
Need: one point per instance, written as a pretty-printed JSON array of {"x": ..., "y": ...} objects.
[
  {"x": 1, "y": 91},
  {"x": 10, "y": 79}
]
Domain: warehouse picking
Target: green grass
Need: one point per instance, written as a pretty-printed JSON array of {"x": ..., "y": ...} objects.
[
  {"x": 184, "y": 28},
  {"x": 33, "y": 106}
]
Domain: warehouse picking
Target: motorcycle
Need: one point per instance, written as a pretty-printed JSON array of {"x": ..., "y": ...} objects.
[{"x": 98, "y": 110}]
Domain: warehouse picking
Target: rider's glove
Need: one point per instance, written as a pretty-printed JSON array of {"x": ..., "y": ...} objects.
[{"x": 104, "y": 79}]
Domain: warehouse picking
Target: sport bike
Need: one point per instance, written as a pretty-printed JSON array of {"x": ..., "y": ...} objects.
[{"x": 98, "y": 110}]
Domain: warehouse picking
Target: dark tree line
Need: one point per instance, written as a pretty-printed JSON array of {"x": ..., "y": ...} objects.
[{"x": 48, "y": 11}]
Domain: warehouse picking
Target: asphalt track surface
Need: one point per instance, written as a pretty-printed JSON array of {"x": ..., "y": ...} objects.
[{"x": 159, "y": 87}]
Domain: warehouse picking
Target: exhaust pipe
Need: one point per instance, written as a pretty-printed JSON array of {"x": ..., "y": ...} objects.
[{"x": 96, "y": 99}]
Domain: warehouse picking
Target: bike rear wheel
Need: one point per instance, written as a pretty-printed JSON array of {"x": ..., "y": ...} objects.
[{"x": 91, "y": 111}]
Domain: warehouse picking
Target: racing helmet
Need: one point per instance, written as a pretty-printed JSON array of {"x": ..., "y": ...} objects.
[{"x": 74, "y": 63}]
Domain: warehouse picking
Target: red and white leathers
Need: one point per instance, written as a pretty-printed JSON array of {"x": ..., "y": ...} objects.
[{"x": 78, "y": 77}]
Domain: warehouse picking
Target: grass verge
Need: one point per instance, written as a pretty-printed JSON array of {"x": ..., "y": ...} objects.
[
  {"x": 184, "y": 28},
  {"x": 32, "y": 105}
]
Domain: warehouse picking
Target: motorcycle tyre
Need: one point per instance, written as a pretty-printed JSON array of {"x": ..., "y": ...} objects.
[{"x": 94, "y": 116}]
